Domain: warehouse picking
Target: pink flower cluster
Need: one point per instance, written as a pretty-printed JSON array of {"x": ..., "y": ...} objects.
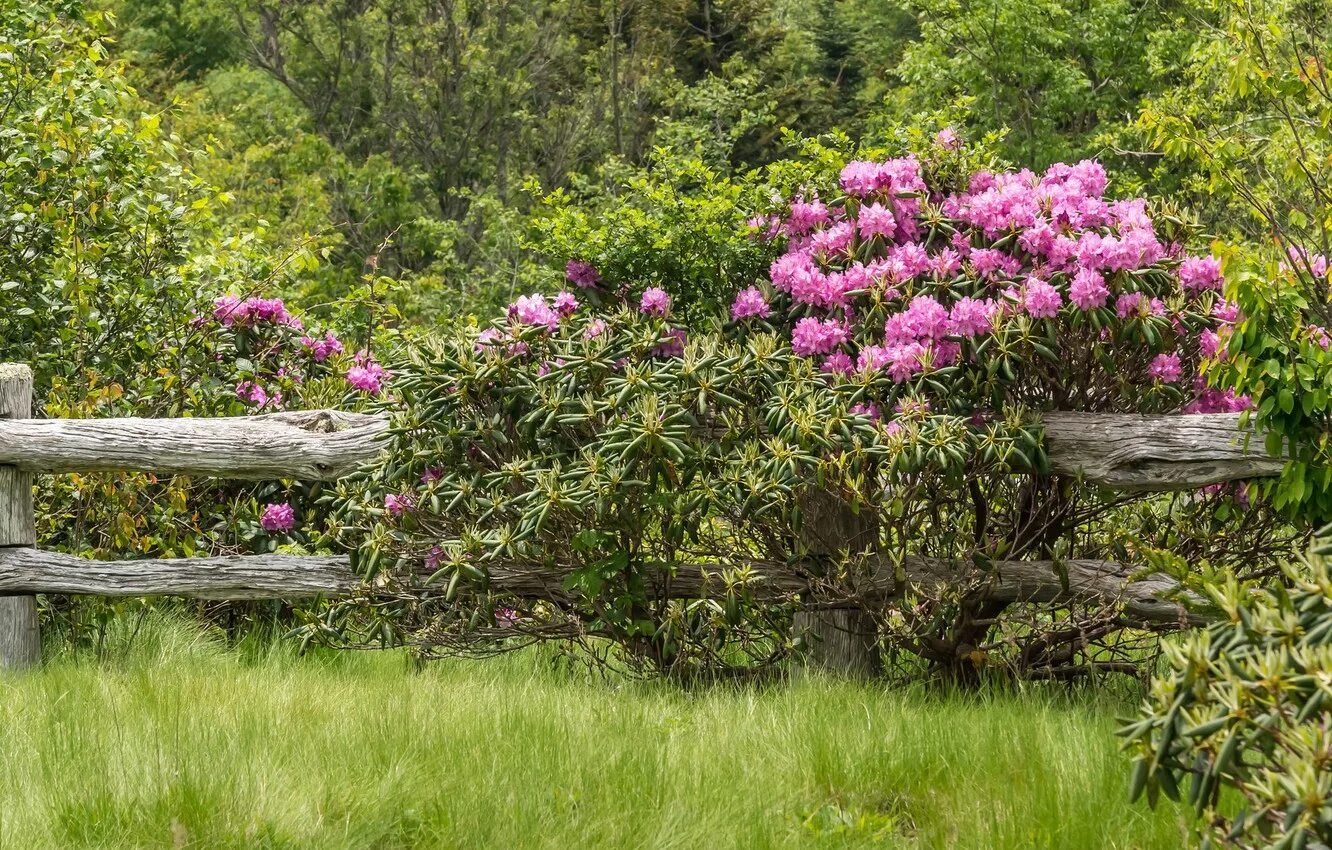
[
  {"x": 1213, "y": 400},
  {"x": 1197, "y": 273},
  {"x": 254, "y": 393},
  {"x": 817, "y": 336},
  {"x": 397, "y": 504},
  {"x": 322, "y": 348},
  {"x": 367, "y": 375},
  {"x": 581, "y": 274},
  {"x": 1304, "y": 262},
  {"x": 946, "y": 269},
  {"x": 655, "y": 302},
  {"x": 277, "y": 516},
  {"x": 233, "y": 311},
  {"x": 750, "y": 302},
  {"x": 534, "y": 311}
]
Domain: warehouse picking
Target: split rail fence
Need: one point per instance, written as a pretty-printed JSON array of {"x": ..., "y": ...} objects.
[{"x": 1128, "y": 452}]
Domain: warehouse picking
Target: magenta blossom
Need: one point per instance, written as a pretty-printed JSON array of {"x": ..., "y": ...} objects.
[
  {"x": 253, "y": 393},
  {"x": 397, "y": 504},
  {"x": 532, "y": 310},
  {"x": 322, "y": 349},
  {"x": 594, "y": 329},
  {"x": 947, "y": 139},
  {"x": 231, "y": 311},
  {"x": 815, "y": 336},
  {"x": 565, "y": 303},
  {"x": 1200, "y": 273},
  {"x": 876, "y": 220},
  {"x": 1165, "y": 368},
  {"x": 655, "y": 302},
  {"x": 366, "y": 375},
  {"x": 750, "y": 302},
  {"x": 581, "y": 274},
  {"x": 674, "y": 347},
  {"x": 838, "y": 363},
  {"x": 871, "y": 410},
  {"x": 277, "y": 516},
  {"x": 1040, "y": 299},
  {"x": 1088, "y": 290}
]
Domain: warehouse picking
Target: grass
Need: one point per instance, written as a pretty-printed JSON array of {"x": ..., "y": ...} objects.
[{"x": 178, "y": 742}]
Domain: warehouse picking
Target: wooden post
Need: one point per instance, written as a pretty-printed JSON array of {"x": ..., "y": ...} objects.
[
  {"x": 20, "y": 641},
  {"x": 842, "y": 640}
]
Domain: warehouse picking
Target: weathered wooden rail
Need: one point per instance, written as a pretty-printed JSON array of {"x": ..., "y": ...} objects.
[
  {"x": 1129, "y": 452},
  {"x": 307, "y": 445}
]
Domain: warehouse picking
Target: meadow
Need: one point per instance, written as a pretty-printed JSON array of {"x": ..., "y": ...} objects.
[{"x": 171, "y": 739}]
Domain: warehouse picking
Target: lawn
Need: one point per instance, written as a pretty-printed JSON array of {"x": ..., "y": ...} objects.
[{"x": 180, "y": 742}]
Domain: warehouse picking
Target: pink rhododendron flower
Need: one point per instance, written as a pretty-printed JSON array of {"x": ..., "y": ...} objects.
[
  {"x": 581, "y": 274},
  {"x": 876, "y": 220},
  {"x": 814, "y": 336},
  {"x": 1127, "y": 304},
  {"x": 1315, "y": 264},
  {"x": 907, "y": 360},
  {"x": 565, "y": 303},
  {"x": 277, "y": 516},
  {"x": 833, "y": 240},
  {"x": 673, "y": 348},
  {"x": 838, "y": 363},
  {"x": 1040, "y": 299},
  {"x": 397, "y": 504},
  {"x": 1199, "y": 273},
  {"x": 750, "y": 302},
  {"x": 947, "y": 139},
  {"x": 871, "y": 410},
  {"x": 804, "y": 217},
  {"x": 1088, "y": 289},
  {"x": 925, "y": 318},
  {"x": 1212, "y": 400},
  {"x": 1165, "y": 368},
  {"x": 252, "y": 392},
  {"x": 1226, "y": 312},
  {"x": 433, "y": 557},
  {"x": 594, "y": 329},
  {"x": 970, "y": 316},
  {"x": 322, "y": 349},
  {"x": 532, "y": 310},
  {"x": 992, "y": 264},
  {"x": 946, "y": 264},
  {"x": 486, "y": 338},
  {"x": 231, "y": 311},
  {"x": 366, "y": 375},
  {"x": 655, "y": 302},
  {"x": 913, "y": 408}
]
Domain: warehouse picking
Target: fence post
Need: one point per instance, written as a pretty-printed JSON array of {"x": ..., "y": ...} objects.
[
  {"x": 20, "y": 642},
  {"x": 842, "y": 640}
]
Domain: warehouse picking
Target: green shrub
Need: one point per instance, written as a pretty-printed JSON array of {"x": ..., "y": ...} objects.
[{"x": 1246, "y": 706}]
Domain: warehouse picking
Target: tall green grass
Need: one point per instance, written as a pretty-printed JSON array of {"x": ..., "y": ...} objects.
[{"x": 179, "y": 742}]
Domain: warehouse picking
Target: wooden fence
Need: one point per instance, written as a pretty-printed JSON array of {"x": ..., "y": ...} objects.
[
  {"x": 307, "y": 445},
  {"x": 1130, "y": 452}
]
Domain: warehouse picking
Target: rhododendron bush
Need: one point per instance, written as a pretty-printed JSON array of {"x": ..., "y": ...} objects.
[{"x": 571, "y": 471}]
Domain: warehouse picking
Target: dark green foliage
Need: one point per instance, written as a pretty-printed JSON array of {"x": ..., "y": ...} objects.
[{"x": 1239, "y": 725}]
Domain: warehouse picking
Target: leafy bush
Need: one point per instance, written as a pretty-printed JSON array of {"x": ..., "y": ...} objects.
[
  {"x": 112, "y": 263},
  {"x": 1246, "y": 130},
  {"x": 654, "y": 490},
  {"x": 1246, "y": 706},
  {"x": 678, "y": 223}
]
